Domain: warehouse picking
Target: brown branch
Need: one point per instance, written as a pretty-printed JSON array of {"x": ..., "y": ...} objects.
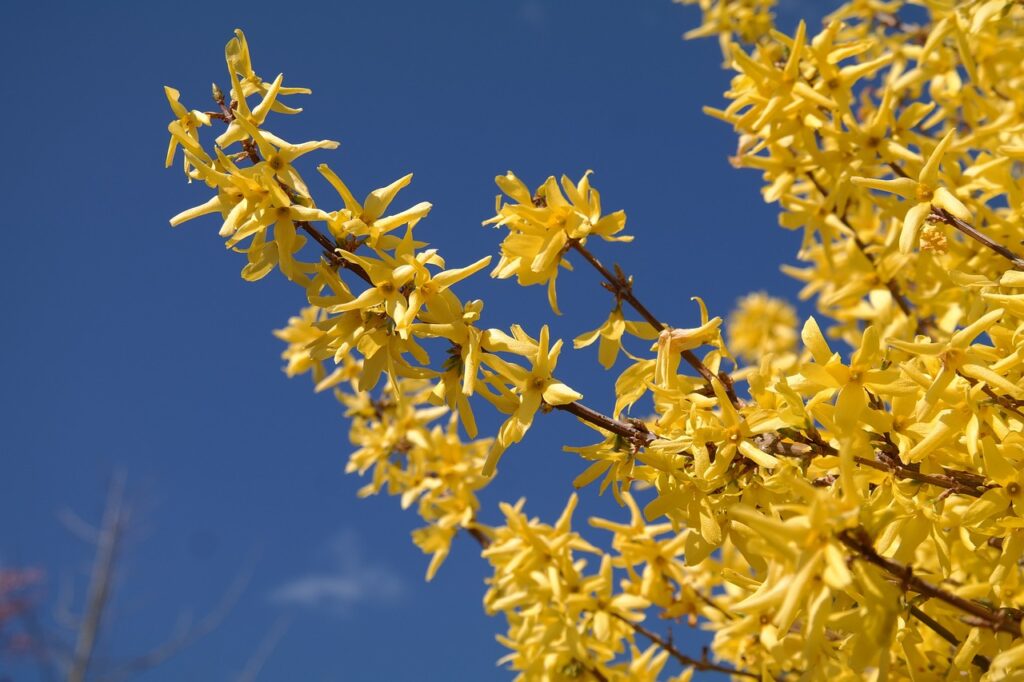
[
  {"x": 891, "y": 285},
  {"x": 638, "y": 437},
  {"x": 944, "y": 216},
  {"x": 947, "y": 481},
  {"x": 1008, "y": 403},
  {"x": 961, "y": 482},
  {"x": 956, "y": 481},
  {"x": 915, "y": 32},
  {"x": 712, "y": 604},
  {"x": 999, "y": 620},
  {"x": 622, "y": 287},
  {"x": 943, "y": 632},
  {"x": 479, "y": 536},
  {"x": 1004, "y": 401},
  {"x": 897, "y": 170},
  {"x": 953, "y": 480},
  {"x": 329, "y": 246},
  {"x": 618, "y": 284},
  {"x": 702, "y": 663}
]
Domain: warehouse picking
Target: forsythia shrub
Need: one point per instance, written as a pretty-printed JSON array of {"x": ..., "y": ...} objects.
[{"x": 828, "y": 515}]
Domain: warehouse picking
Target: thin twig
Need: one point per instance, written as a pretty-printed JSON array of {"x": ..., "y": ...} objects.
[
  {"x": 925, "y": 325},
  {"x": 999, "y": 620},
  {"x": 330, "y": 247},
  {"x": 943, "y": 632},
  {"x": 702, "y": 664},
  {"x": 947, "y": 481},
  {"x": 890, "y": 284},
  {"x": 897, "y": 170},
  {"x": 944, "y": 216},
  {"x": 583, "y": 412},
  {"x": 631, "y": 433},
  {"x": 109, "y": 537},
  {"x": 1004, "y": 401},
  {"x": 266, "y": 647},
  {"x": 954, "y": 480},
  {"x": 622, "y": 287},
  {"x": 187, "y": 635},
  {"x": 478, "y": 535}
]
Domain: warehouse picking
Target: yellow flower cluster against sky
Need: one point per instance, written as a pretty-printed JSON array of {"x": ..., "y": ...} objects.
[{"x": 833, "y": 498}]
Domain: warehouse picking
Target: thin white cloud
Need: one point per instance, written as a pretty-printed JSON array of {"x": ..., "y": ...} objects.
[{"x": 352, "y": 581}]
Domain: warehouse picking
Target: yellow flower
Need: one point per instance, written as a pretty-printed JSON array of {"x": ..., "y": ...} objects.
[
  {"x": 1009, "y": 493},
  {"x": 925, "y": 191},
  {"x": 839, "y": 518},
  {"x": 278, "y": 155},
  {"x": 236, "y": 52},
  {"x": 610, "y": 334},
  {"x": 672, "y": 342},
  {"x": 367, "y": 219},
  {"x": 184, "y": 127},
  {"x": 759, "y": 325},
  {"x": 458, "y": 379},
  {"x": 958, "y": 356},
  {"x": 430, "y": 294},
  {"x": 728, "y": 435},
  {"x": 854, "y": 381},
  {"x": 235, "y": 132},
  {"x": 543, "y": 226},
  {"x": 531, "y": 388}
]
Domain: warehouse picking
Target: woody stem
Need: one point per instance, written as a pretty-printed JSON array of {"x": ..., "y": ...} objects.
[
  {"x": 944, "y": 216},
  {"x": 1000, "y": 620},
  {"x": 619, "y": 428},
  {"x": 330, "y": 247},
  {"x": 622, "y": 287},
  {"x": 701, "y": 664}
]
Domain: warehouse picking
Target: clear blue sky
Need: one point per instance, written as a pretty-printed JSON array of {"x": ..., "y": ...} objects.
[{"x": 129, "y": 345}]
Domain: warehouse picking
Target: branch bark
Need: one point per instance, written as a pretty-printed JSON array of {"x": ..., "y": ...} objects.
[
  {"x": 100, "y": 580},
  {"x": 329, "y": 246},
  {"x": 944, "y": 216},
  {"x": 622, "y": 287},
  {"x": 1000, "y": 620},
  {"x": 702, "y": 663}
]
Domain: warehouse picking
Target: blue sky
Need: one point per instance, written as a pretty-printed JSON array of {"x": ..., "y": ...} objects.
[{"x": 133, "y": 346}]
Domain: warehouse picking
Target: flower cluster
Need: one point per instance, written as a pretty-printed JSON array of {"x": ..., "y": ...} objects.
[
  {"x": 402, "y": 294},
  {"x": 544, "y": 225},
  {"x": 848, "y": 506}
]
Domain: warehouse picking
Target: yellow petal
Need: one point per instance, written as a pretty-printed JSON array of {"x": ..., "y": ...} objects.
[
  {"x": 911, "y": 226},
  {"x": 943, "y": 198},
  {"x": 558, "y": 393}
]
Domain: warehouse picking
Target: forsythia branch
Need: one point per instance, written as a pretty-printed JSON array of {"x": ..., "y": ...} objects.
[
  {"x": 1000, "y": 620},
  {"x": 896, "y": 408},
  {"x": 944, "y": 216}
]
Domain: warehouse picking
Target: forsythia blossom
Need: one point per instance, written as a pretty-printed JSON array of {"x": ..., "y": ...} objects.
[{"x": 845, "y": 505}]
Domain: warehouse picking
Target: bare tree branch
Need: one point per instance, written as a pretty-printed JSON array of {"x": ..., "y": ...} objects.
[
  {"x": 185, "y": 636},
  {"x": 259, "y": 657},
  {"x": 100, "y": 580}
]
